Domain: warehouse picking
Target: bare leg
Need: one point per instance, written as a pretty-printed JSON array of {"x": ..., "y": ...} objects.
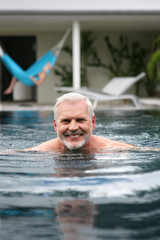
[
  {"x": 11, "y": 86},
  {"x": 47, "y": 67},
  {"x": 42, "y": 75}
]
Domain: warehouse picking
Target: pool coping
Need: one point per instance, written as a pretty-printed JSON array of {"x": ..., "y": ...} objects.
[{"x": 145, "y": 103}]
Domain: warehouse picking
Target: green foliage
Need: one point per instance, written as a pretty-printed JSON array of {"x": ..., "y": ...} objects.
[
  {"x": 137, "y": 58},
  {"x": 89, "y": 58},
  {"x": 118, "y": 55},
  {"x": 89, "y": 55},
  {"x": 127, "y": 59},
  {"x": 65, "y": 73},
  {"x": 89, "y": 52},
  {"x": 153, "y": 66}
]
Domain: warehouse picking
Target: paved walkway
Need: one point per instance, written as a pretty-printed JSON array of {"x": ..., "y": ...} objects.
[{"x": 145, "y": 103}]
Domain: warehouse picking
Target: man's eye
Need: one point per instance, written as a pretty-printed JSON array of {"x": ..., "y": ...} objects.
[
  {"x": 80, "y": 119},
  {"x": 65, "y": 120}
]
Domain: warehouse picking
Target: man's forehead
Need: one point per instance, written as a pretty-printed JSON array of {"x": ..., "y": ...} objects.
[{"x": 72, "y": 107}]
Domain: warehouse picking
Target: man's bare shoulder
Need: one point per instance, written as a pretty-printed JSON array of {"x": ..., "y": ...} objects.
[
  {"x": 46, "y": 146},
  {"x": 102, "y": 142}
]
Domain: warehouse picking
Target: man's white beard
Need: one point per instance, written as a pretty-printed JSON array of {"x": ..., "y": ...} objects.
[
  {"x": 79, "y": 145},
  {"x": 71, "y": 147}
]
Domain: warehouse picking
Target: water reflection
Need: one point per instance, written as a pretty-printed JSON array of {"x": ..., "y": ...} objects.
[{"x": 75, "y": 216}]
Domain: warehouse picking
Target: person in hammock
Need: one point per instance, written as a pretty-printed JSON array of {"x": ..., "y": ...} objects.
[{"x": 42, "y": 76}]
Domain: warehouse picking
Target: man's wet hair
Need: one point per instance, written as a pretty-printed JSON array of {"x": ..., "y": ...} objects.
[{"x": 73, "y": 97}]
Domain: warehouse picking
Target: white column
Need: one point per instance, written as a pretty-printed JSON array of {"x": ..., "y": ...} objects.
[{"x": 76, "y": 62}]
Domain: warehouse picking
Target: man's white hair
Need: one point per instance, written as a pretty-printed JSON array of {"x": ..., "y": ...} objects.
[{"x": 73, "y": 97}]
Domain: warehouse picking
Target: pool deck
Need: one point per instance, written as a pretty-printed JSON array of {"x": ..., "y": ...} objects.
[{"x": 145, "y": 103}]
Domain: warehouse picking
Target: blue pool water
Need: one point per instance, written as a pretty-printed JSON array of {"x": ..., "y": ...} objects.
[{"x": 104, "y": 195}]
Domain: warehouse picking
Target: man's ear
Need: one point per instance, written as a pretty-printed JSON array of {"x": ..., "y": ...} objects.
[
  {"x": 93, "y": 122},
  {"x": 55, "y": 125}
]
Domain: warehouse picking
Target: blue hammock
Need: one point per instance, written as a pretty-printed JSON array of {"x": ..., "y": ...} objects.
[{"x": 24, "y": 75}]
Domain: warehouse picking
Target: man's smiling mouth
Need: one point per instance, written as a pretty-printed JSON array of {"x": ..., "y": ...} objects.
[{"x": 73, "y": 135}]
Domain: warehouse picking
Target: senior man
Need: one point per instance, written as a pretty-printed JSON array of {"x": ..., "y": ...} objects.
[{"x": 74, "y": 121}]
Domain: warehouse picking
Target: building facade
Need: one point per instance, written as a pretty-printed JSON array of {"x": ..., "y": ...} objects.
[{"x": 34, "y": 26}]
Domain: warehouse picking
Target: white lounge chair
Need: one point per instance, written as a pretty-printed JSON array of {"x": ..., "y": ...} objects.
[{"x": 114, "y": 90}]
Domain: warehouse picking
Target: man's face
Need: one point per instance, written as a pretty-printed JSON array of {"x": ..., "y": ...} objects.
[{"x": 74, "y": 125}]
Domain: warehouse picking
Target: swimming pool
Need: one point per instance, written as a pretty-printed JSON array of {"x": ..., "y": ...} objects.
[{"x": 107, "y": 195}]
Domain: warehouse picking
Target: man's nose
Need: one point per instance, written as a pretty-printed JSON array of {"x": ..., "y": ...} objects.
[{"x": 73, "y": 125}]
